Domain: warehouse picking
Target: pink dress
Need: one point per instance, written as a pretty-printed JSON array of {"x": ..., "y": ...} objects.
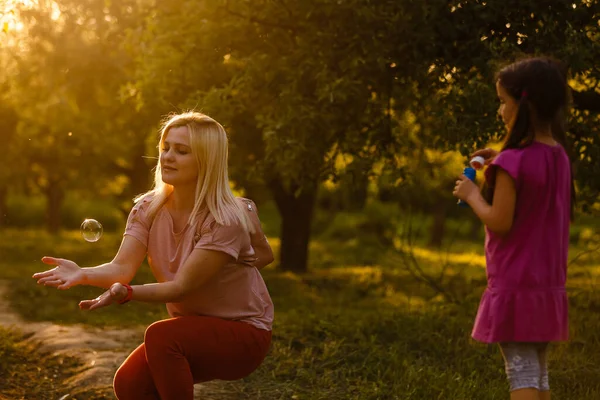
[{"x": 525, "y": 299}]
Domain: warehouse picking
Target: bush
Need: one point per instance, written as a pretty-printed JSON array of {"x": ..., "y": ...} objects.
[
  {"x": 75, "y": 210},
  {"x": 30, "y": 212},
  {"x": 25, "y": 211}
]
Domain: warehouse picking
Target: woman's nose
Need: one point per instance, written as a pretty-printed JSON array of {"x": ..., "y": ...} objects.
[{"x": 167, "y": 155}]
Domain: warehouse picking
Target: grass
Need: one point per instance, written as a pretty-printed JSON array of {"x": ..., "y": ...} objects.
[{"x": 358, "y": 326}]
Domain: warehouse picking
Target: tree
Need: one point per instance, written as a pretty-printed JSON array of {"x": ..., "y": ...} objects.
[
  {"x": 455, "y": 104},
  {"x": 68, "y": 72},
  {"x": 296, "y": 79},
  {"x": 473, "y": 38}
]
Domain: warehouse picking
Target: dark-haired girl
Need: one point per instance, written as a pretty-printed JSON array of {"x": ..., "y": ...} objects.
[{"x": 527, "y": 207}]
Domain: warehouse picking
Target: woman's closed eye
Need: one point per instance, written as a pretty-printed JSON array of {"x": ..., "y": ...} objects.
[{"x": 177, "y": 150}]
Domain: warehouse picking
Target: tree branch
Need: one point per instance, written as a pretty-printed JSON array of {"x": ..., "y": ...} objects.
[{"x": 583, "y": 253}]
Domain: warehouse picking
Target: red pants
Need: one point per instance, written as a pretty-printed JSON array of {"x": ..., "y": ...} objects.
[{"x": 179, "y": 352}]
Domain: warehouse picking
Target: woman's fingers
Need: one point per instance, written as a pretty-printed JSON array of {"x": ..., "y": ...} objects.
[
  {"x": 103, "y": 300},
  {"x": 44, "y": 274},
  {"x": 53, "y": 283},
  {"x": 48, "y": 278},
  {"x": 50, "y": 260},
  {"x": 97, "y": 304},
  {"x": 86, "y": 304}
]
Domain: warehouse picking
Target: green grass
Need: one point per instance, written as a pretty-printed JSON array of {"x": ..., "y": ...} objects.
[{"x": 358, "y": 326}]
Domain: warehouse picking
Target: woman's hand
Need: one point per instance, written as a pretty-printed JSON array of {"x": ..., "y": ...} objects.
[
  {"x": 465, "y": 189},
  {"x": 115, "y": 294},
  {"x": 487, "y": 154},
  {"x": 263, "y": 254},
  {"x": 66, "y": 274}
]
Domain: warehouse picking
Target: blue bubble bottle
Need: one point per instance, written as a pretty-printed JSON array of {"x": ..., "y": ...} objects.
[{"x": 471, "y": 173}]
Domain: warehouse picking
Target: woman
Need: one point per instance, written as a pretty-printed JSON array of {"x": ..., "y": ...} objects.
[{"x": 205, "y": 248}]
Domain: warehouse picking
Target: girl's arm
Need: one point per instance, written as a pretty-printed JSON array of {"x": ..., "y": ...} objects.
[{"x": 498, "y": 216}]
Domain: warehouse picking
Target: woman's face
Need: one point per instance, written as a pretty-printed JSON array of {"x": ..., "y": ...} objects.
[
  {"x": 508, "y": 106},
  {"x": 178, "y": 164}
]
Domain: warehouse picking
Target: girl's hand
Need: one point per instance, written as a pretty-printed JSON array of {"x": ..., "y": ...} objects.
[
  {"x": 465, "y": 189},
  {"x": 66, "y": 274},
  {"x": 116, "y": 293},
  {"x": 487, "y": 154}
]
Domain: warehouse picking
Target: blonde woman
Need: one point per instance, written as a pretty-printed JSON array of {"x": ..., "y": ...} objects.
[{"x": 205, "y": 248}]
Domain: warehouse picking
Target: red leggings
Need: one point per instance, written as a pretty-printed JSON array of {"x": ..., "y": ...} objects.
[{"x": 179, "y": 352}]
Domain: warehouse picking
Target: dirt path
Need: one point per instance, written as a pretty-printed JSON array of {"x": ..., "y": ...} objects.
[{"x": 101, "y": 352}]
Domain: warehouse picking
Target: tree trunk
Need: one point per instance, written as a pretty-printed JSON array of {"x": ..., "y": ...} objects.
[
  {"x": 296, "y": 217},
  {"x": 139, "y": 178},
  {"x": 356, "y": 185},
  {"x": 3, "y": 206},
  {"x": 139, "y": 174},
  {"x": 54, "y": 196},
  {"x": 476, "y": 226},
  {"x": 438, "y": 227}
]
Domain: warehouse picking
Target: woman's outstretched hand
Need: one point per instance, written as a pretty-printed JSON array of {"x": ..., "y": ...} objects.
[
  {"x": 66, "y": 274},
  {"x": 115, "y": 294}
]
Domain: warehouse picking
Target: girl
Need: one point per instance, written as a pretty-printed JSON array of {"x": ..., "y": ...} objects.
[
  {"x": 526, "y": 208},
  {"x": 204, "y": 247}
]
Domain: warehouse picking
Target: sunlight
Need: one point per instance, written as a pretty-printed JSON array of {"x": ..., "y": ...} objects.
[
  {"x": 433, "y": 256},
  {"x": 9, "y": 20}
]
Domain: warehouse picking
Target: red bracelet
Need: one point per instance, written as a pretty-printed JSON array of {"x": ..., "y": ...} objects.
[{"x": 129, "y": 294}]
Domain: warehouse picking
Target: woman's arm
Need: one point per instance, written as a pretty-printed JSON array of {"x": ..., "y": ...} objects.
[
  {"x": 121, "y": 269},
  {"x": 263, "y": 254},
  {"x": 262, "y": 248},
  {"x": 198, "y": 269}
]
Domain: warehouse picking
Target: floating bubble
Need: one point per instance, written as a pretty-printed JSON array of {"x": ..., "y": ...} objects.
[{"x": 91, "y": 230}]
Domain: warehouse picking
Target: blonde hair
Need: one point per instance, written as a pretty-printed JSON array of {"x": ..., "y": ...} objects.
[{"x": 209, "y": 144}]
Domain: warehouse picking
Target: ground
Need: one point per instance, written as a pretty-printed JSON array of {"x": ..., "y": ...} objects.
[{"x": 100, "y": 351}]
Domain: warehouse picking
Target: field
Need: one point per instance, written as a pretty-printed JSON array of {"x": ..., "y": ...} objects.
[{"x": 359, "y": 325}]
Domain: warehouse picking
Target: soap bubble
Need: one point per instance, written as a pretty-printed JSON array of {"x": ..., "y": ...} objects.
[{"x": 91, "y": 230}]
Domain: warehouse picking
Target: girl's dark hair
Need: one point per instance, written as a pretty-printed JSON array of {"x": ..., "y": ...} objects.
[{"x": 540, "y": 86}]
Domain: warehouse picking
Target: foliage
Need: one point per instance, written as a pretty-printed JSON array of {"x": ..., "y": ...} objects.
[
  {"x": 475, "y": 38},
  {"x": 297, "y": 84},
  {"x": 28, "y": 212}
]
